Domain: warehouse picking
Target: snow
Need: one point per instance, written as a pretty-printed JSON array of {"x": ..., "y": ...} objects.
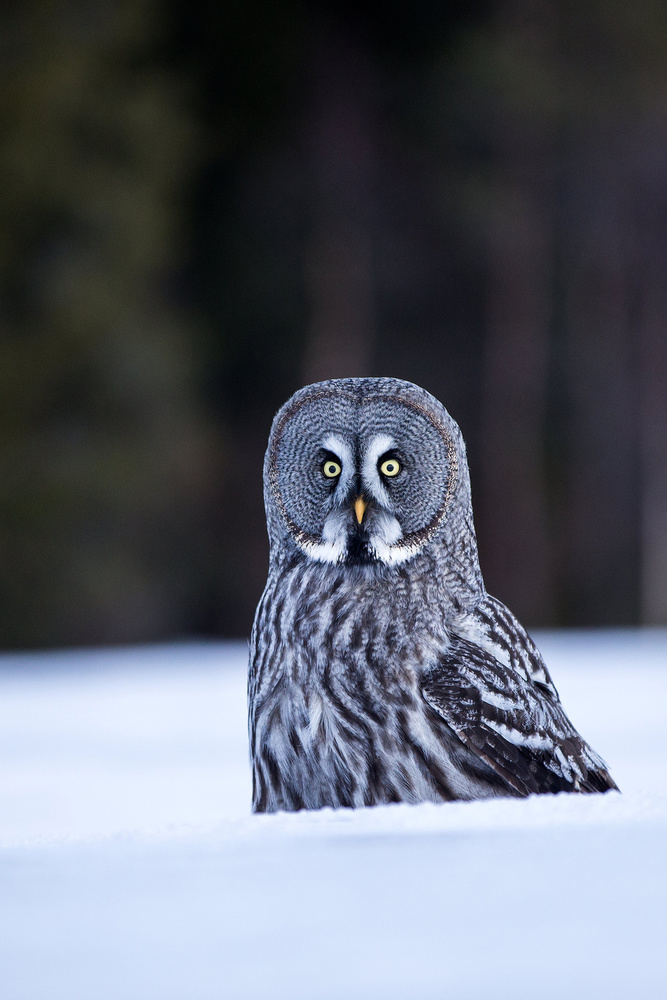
[{"x": 131, "y": 868}]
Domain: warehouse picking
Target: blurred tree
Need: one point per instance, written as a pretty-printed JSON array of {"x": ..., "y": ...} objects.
[
  {"x": 615, "y": 63},
  {"x": 341, "y": 329},
  {"x": 649, "y": 257},
  {"x": 105, "y": 461},
  {"x": 520, "y": 225},
  {"x": 558, "y": 91}
]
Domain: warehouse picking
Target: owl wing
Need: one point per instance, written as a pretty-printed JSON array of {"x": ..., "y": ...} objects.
[{"x": 493, "y": 689}]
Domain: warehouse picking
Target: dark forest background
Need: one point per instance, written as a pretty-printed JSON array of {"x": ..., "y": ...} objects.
[{"x": 204, "y": 206}]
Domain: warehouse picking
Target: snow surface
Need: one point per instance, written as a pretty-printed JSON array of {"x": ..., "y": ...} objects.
[{"x": 131, "y": 868}]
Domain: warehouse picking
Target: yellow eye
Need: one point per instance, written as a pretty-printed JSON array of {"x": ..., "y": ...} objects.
[
  {"x": 331, "y": 469},
  {"x": 390, "y": 467}
]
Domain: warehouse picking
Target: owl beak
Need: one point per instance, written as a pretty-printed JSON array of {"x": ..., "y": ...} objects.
[{"x": 360, "y": 509}]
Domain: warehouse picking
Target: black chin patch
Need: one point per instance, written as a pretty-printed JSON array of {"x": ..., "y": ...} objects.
[{"x": 358, "y": 551}]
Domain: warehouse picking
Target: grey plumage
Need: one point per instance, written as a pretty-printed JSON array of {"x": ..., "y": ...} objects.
[{"x": 380, "y": 668}]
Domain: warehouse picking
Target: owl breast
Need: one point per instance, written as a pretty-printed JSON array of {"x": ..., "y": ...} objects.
[{"x": 337, "y": 715}]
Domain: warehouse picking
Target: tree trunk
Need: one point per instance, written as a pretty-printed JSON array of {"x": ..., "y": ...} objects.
[
  {"x": 652, "y": 273},
  {"x": 513, "y": 515},
  {"x": 341, "y": 334}
]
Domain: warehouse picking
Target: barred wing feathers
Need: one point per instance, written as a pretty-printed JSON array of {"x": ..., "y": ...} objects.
[{"x": 502, "y": 705}]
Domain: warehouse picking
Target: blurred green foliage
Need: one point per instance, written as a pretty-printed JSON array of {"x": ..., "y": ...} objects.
[{"x": 106, "y": 458}]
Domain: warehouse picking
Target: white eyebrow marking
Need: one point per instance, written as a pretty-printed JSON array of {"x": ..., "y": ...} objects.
[
  {"x": 340, "y": 448},
  {"x": 377, "y": 446}
]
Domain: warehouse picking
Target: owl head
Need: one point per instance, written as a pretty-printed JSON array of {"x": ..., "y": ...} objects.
[{"x": 365, "y": 471}]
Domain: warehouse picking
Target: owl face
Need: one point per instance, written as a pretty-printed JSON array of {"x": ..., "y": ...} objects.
[{"x": 360, "y": 475}]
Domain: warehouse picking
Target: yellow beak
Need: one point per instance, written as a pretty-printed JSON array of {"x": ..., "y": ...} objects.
[{"x": 359, "y": 509}]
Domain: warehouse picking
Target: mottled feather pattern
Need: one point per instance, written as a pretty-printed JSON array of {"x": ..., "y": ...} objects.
[
  {"x": 374, "y": 679},
  {"x": 337, "y": 713}
]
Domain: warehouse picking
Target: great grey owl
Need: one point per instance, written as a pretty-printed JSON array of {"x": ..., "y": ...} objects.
[{"x": 380, "y": 668}]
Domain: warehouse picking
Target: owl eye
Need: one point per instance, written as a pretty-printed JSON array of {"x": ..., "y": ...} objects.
[
  {"x": 390, "y": 467},
  {"x": 331, "y": 469}
]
